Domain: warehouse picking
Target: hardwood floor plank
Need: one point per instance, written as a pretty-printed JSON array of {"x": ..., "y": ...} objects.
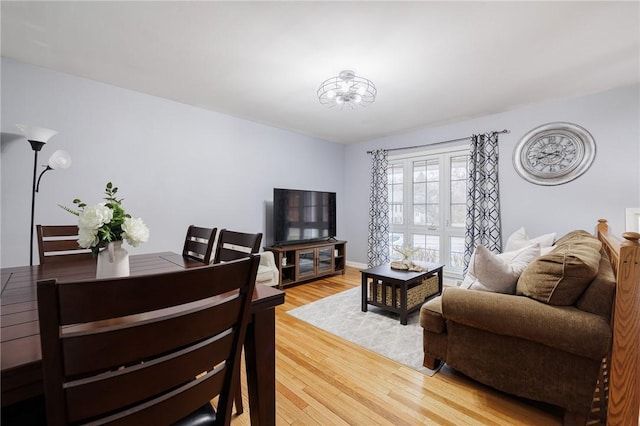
[{"x": 324, "y": 380}]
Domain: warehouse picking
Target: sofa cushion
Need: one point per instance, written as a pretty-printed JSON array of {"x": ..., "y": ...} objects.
[
  {"x": 431, "y": 316},
  {"x": 498, "y": 272},
  {"x": 598, "y": 297},
  {"x": 561, "y": 327},
  {"x": 561, "y": 276},
  {"x": 519, "y": 239}
]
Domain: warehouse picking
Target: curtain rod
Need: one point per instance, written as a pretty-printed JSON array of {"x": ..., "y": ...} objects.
[{"x": 441, "y": 142}]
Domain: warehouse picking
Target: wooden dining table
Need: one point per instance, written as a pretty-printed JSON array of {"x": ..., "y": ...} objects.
[{"x": 21, "y": 375}]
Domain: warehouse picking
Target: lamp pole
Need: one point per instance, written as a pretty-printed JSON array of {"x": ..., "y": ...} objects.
[
  {"x": 38, "y": 137},
  {"x": 36, "y": 146}
]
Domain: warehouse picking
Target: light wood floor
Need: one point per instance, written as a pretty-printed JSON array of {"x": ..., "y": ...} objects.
[{"x": 324, "y": 380}]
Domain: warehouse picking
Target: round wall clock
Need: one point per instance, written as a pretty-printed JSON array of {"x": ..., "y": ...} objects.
[{"x": 554, "y": 153}]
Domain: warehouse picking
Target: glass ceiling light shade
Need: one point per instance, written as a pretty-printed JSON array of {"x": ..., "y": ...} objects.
[{"x": 347, "y": 89}]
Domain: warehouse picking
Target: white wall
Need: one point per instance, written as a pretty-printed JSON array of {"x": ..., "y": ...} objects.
[
  {"x": 175, "y": 164},
  {"x": 604, "y": 191}
]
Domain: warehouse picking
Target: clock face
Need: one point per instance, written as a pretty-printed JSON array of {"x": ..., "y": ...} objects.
[{"x": 554, "y": 153}]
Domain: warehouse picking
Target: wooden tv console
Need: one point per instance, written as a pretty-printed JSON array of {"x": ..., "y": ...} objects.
[{"x": 304, "y": 262}]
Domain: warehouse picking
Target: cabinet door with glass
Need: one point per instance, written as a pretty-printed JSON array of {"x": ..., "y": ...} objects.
[
  {"x": 325, "y": 260},
  {"x": 306, "y": 263},
  {"x": 314, "y": 261}
]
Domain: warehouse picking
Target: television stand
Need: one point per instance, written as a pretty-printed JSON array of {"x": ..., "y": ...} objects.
[{"x": 298, "y": 263}]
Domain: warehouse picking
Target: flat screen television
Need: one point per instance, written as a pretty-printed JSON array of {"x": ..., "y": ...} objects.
[{"x": 301, "y": 216}]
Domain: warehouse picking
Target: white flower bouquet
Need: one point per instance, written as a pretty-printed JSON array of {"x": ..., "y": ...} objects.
[{"x": 107, "y": 222}]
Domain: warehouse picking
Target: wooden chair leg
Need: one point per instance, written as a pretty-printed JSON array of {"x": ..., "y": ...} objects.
[{"x": 238, "y": 396}]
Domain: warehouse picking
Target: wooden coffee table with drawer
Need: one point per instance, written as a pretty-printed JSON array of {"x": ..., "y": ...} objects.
[{"x": 400, "y": 291}]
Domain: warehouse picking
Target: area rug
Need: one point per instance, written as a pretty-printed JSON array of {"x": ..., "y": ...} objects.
[{"x": 376, "y": 330}]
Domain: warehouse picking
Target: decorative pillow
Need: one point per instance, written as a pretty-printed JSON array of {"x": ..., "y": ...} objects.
[
  {"x": 560, "y": 277},
  {"x": 498, "y": 272},
  {"x": 579, "y": 236},
  {"x": 546, "y": 250},
  {"x": 520, "y": 239}
]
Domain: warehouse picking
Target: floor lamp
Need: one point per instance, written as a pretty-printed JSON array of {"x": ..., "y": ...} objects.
[{"x": 38, "y": 137}]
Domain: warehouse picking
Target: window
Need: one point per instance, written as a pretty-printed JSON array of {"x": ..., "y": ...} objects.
[
  {"x": 428, "y": 206},
  {"x": 632, "y": 219},
  {"x": 395, "y": 183}
]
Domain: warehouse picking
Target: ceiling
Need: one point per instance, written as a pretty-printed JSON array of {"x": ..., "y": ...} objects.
[{"x": 432, "y": 62}]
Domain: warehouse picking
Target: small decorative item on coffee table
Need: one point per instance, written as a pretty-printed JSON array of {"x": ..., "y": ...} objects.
[
  {"x": 406, "y": 264},
  {"x": 400, "y": 291}
]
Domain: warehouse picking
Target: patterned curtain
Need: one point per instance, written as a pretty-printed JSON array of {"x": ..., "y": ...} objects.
[
  {"x": 378, "y": 247},
  {"x": 483, "y": 197}
]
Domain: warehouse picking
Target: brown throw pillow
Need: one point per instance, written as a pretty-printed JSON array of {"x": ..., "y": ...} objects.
[
  {"x": 561, "y": 276},
  {"x": 577, "y": 237}
]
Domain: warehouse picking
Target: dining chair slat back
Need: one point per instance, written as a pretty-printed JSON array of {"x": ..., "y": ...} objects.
[
  {"x": 199, "y": 243},
  {"x": 59, "y": 243},
  {"x": 148, "y": 349},
  {"x": 234, "y": 245}
]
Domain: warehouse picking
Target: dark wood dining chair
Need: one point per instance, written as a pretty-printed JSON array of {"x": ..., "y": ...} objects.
[
  {"x": 145, "y": 350},
  {"x": 59, "y": 243},
  {"x": 234, "y": 245},
  {"x": 199, "y": 243}
]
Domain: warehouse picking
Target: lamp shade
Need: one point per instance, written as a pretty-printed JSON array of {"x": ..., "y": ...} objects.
[
  {"x": 60, "y": 160},
  {"x": 39, "y": 134}
]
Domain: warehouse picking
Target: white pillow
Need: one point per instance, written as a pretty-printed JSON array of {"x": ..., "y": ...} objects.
[
  {"x": 546, "y": 250},
  {"x": 520, "y": 239},
  {"x": 498, "y": 272}
]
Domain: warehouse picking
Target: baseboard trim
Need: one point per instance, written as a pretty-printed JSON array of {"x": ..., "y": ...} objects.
[{"x": 357, "y": 265}]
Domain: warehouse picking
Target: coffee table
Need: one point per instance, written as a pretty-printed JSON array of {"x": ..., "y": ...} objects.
[{"x": 390, "y": 289}]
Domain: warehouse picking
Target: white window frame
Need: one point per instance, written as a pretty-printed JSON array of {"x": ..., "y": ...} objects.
[
  {"x": 444, "y": 231},
  {"x": 632, "y": 219}
]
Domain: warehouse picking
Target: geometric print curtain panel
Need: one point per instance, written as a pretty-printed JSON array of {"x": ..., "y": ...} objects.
[
  {"x": 378, "y": 241},
  {"x": 483, "y": 197}
]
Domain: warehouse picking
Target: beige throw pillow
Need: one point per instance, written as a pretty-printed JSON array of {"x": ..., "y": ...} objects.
[
  {"x": 498, "y": 273},
  {"x": 578, "y": 237},
  {"x": 560, "y": 277}
]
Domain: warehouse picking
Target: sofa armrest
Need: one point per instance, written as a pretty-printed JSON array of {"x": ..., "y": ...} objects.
[
  {"x": 268, "y": 273},
  {"x": 562, "y": 327},
  {"x": 267, "y": 259},
  {"x": 431, "y": 316}
]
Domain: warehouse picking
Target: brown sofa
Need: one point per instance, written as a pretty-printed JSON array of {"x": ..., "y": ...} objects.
[{"x": 546, "y": 342}]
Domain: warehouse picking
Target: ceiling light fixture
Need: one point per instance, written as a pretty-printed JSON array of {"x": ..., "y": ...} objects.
[{"x": 347, "y": 89}]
